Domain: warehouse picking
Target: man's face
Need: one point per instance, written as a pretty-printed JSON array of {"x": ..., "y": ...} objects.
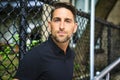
[{"x": 62, "y": 25}]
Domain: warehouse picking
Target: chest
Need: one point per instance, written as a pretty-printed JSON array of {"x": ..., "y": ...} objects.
[{"x": 58, "y": 68}]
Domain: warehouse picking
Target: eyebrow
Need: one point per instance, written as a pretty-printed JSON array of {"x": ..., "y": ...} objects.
[
  {"x": 68, "y": 19},
  {"x": 56, "y": 18},
  {"x": 60, "y": 18}
]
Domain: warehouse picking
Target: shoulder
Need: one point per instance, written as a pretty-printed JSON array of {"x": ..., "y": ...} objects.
[
  {"x": 38, "y": 50},
  {"x": 35, "y": 55}
]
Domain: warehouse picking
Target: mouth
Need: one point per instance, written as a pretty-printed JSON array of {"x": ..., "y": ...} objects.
[{"x": 61, "y": 33}]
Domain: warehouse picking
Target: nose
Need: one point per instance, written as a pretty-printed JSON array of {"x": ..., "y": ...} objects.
[{"x": 62, "y": 26}]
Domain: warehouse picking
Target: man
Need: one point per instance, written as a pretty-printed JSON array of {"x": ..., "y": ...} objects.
[{"x": 53, "y": 59}]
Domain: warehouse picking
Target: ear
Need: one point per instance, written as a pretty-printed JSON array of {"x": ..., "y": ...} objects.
[
  {"x": 49, "y": 26},
  {"x": 75, "y": 27}
]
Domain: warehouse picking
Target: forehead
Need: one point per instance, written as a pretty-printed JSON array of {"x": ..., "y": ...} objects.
[{"x": 62, "y": 12}]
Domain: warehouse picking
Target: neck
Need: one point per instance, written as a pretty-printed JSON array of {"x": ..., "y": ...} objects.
[{"x": 63, "y": 46}]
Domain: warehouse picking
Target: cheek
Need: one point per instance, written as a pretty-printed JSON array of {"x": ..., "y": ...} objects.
[
  {"x": 53, "y": 29},
  {"x": 71, "y": 31}
]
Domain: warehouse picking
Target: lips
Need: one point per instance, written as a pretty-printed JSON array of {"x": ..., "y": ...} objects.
[{"x": 61, "y": 33}]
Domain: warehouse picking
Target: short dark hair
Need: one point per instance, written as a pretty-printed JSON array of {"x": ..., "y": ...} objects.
[{"x": 66, "y": 5}]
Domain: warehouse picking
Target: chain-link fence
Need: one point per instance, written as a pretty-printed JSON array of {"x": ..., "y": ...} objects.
[{"x": 23, "y": 24}]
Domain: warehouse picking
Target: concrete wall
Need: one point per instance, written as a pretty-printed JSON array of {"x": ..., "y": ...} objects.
[
  {"x": 114, "y": 16},
  {"x": 64, "y": 0}
]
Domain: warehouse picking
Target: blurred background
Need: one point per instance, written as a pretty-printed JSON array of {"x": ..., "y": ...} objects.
[{"x": 23, "y": 25}]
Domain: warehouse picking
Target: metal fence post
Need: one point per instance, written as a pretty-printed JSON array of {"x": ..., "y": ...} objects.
[
  {"x": 109, "y": 44},
  {"x": 92, "y": 40},
  {"x": 23, "y": 29}
]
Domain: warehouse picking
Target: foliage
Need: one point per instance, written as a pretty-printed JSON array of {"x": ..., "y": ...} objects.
[
  {"x": 6, "y": 50},
  {"x": 33, "y": 43}
]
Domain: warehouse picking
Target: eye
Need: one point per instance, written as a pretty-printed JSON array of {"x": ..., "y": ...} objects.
[
  {"x": 56, "y": 19},
  {"x": 68, "y": 20}
]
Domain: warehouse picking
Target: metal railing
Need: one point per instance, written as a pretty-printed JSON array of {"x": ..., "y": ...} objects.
[
  {"x": 24, "y": 25},
  {"x": 105, "y": 72}
]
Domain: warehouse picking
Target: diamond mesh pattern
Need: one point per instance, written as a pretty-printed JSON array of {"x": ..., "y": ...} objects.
[{"x": 23, "y": 25}]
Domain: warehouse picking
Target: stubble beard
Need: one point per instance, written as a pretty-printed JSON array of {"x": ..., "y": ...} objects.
[{"x": 61, "y": 39}]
